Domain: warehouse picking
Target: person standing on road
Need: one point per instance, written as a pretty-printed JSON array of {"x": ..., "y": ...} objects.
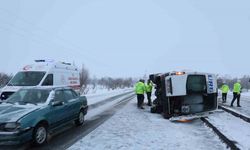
[
  {"x": 149, "y": 88},
  {"x": 140, "y": 90},
  {"x": 236, "y": 93},
  {"x": 224, "y": 89}
]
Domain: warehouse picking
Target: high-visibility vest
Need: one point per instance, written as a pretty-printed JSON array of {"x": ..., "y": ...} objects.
[
  {"x": 140, "y": 88},
  {"x": 149, "y": 87},
  {"x": 237, "y": 88},
  {"x": 224, "y": 88}
]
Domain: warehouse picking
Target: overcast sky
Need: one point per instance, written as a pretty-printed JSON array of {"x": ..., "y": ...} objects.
[{"x": 122, "y": 38}]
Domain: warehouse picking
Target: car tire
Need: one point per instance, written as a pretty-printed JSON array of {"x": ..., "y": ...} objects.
[
  {"x": 40, "y": 134},
  {"x": 80, "y": 120}
]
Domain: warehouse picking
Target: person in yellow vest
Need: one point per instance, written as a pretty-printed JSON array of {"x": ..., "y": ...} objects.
[
  {"x": 236, "y": 93},
  {"x": 224, "y": 89},
  {"x": 149, "y": 88},
  {"x": 140, "y": 90}
]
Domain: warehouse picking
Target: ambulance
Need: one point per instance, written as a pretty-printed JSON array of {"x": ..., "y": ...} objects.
[
  {"x": 43, "y": 73},
  {"x": 184, "y": 93}
]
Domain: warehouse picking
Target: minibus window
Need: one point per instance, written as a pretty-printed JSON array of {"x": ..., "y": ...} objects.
[
  {"x": 48, "y": 80},
  {"x": 169, "y": 86},
  {"x": 30, "y": 78},
  {"x": 196, "y": 84}
]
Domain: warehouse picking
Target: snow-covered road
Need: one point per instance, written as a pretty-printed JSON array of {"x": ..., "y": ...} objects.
[
  {"x": 233, "y": 128},
  {"x": 132, "y": 129}
]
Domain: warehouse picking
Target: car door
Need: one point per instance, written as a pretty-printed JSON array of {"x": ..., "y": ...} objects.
[
  {"x": 57, "y": 115},
  {"x": 72, "y": 104}
]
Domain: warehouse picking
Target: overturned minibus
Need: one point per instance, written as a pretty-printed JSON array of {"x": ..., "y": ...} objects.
[{"x": 184, "y": 93}]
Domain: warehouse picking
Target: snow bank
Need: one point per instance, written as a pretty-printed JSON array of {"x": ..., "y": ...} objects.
[{"x": 132, "y": 129}]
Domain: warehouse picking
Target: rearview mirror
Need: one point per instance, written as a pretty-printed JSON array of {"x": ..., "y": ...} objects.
[{"x": 57, "y": 103}]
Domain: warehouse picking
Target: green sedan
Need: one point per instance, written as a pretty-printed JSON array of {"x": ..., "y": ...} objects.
[{"x": 31, "y": 113}]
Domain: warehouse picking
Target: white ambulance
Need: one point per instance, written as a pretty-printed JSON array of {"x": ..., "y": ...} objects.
[
  {"x": 43, "y": 73},
  {"x": 185, "y": 93}
]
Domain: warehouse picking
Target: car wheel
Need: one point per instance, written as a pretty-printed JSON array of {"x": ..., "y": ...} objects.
[
  {"x": 40, "y": 134},
  {"x": 80, "y": 119}
]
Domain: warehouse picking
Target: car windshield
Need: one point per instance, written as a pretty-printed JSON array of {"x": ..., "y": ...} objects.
[
  {"x": 31, "y": 78},
  {"x": 33, "y": 96}
]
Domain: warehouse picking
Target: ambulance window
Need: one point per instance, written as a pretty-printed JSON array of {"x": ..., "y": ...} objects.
[
  {"x": 196, "y": 84},
  {"x": 48, "y": 80},
  {"x": 30, "y": 78}
]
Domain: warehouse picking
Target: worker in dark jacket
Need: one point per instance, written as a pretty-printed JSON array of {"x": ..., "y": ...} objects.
[
  {"x": 140, "y": 90},
  {"x": 149, "y": 88}
]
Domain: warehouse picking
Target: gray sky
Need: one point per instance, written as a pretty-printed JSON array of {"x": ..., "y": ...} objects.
[{"x": 123, "y": 38}]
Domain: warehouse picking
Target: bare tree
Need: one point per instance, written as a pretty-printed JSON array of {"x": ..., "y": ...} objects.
[
  {"x": 245, "y": 82},
  {"x": 231, "y": 81},
  {"x": 84, "y": 78},
  {"x": 4, "y": 79},
  {"x": 114, "y": 83}
]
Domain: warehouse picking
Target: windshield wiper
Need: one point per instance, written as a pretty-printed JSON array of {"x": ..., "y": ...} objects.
[
  {"x": 24, "y": 102},
  {"x": 10, "y": 84},
  {"x": 8, "y": 102}
]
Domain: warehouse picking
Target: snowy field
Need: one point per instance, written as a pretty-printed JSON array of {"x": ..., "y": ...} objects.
[
  {"x": 98, "y": 89},
  {"x": 132, "y": 129},
  {"x": 101, "y": 94},
  {"x": 92, "y": 113}
]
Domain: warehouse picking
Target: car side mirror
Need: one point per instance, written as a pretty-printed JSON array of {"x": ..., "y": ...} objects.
[{"x": 57, "y": 103}]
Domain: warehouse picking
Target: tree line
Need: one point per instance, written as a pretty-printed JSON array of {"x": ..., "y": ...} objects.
[
  {"x": 109, "y": 83},
  {"x": 85, "y": 80},
  {"x": 113, "y": 83},
  {"x": 230, "y": 81}
]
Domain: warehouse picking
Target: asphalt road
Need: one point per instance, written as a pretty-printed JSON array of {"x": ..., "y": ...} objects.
[{"x": 70, "y": 134}]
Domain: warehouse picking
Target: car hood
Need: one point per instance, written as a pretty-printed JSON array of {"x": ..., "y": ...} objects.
[
  {"x": 11, "y": 88},
  {"x": 12, "y": 112}
]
